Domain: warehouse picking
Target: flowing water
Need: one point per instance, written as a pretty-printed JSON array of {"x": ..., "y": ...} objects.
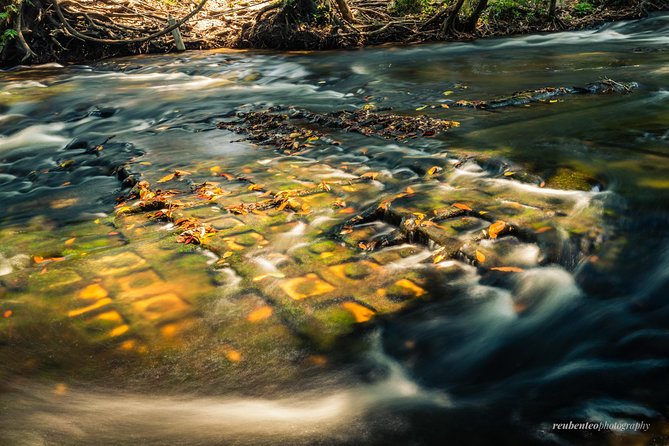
[{"x": 113, "y": 333}]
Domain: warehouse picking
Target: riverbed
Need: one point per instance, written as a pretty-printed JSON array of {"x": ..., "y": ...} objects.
[{"x": 299, "y": 325}]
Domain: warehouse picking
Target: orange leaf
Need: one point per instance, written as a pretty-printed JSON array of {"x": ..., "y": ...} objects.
[
  {"x": 496, "y": 228},
  {"x": 410, "y": 190},
  {"x": 7, "y": 314},
  {"x": 461, "y": 206},
  {"x": 480, "y": 257},
  {"x": 69, "y": 241},
  {"x": 508, "y": 269},
  {"x": 40, "y": 259}
]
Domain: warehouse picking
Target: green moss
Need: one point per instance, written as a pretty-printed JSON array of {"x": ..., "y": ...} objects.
[
  {"x": 566, "y": 178},
  {"x": 357, "y": 271}
]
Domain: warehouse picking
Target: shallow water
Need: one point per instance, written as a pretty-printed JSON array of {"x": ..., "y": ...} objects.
[{"x": 129, "y": 338}]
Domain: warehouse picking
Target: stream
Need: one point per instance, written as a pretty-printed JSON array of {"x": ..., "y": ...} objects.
[{"x": 113, "y": 333}]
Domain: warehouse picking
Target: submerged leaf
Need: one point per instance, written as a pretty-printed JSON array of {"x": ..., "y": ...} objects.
[
  {"x": 508, "y": 269},
  {"x": 461, "y": 206},
  {"x": 496, "y": 228}
]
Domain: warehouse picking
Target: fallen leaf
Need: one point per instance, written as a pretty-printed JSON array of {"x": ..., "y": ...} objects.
[
  {"x": 508, "y": 269},
  {"x": 496, "y": 228},
  {"x": 227, "y": 254},
  {"x": 434, "y": 169},
  {"x": 339, "y": 203},
  {"x": 370, "y": 175},
  {"x": 445, "y": 106},
  {"x": 448, "y": 92},
  {"x": 461, "y": 206},
  {"x": 480, "y": 256},
  {"x": 40, "y": 259},
  {"x": 275, "y": 275},
  {"x": 166, "y": 178},
  {"x": 544, "y": 229},
  {"x": 7, "y": 314},
  {"x": 70, "y": 241},
  {"x": 509, "y": 173},
  {"x": 422, "y": 107},
  {"x": 410, "y": 190},
  {"x": 439, "y": 257}
]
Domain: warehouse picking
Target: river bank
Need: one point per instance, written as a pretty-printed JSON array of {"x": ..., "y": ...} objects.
[{"x": 77, "y": 32}]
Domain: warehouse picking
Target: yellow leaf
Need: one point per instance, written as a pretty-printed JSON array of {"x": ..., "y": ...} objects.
[
  {"x": 461, "y": 206},
  {"x": 438, "y": 257},
  {"x": 509, "y": 173},
  {"x": 508, "y": 269},
  {"x": 496, "y": 228},
  {"x": 480, "y": 257},
  {"x": 433, "y": 170},
  {"x": 448, "y": 92},
  {"x": 215, "y": 169},
  {"x": 445, "y": 106},
  {"x": 70, "y": 241},
  {"x": 166, "y": 178},
  {"x": 227, "y": 254},
  {"x": 276, "y": 275},
  {"x": 422, "y": 107}
]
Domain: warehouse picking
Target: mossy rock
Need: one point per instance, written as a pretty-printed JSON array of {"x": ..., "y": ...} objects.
[
  {"x": 357, "y": 271},
  {"x": 568, "y": 179},
  {"x": 323, "y": 246}
]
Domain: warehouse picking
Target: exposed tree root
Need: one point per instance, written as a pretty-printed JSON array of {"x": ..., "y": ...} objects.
[{"x": 79, "y": 30}]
